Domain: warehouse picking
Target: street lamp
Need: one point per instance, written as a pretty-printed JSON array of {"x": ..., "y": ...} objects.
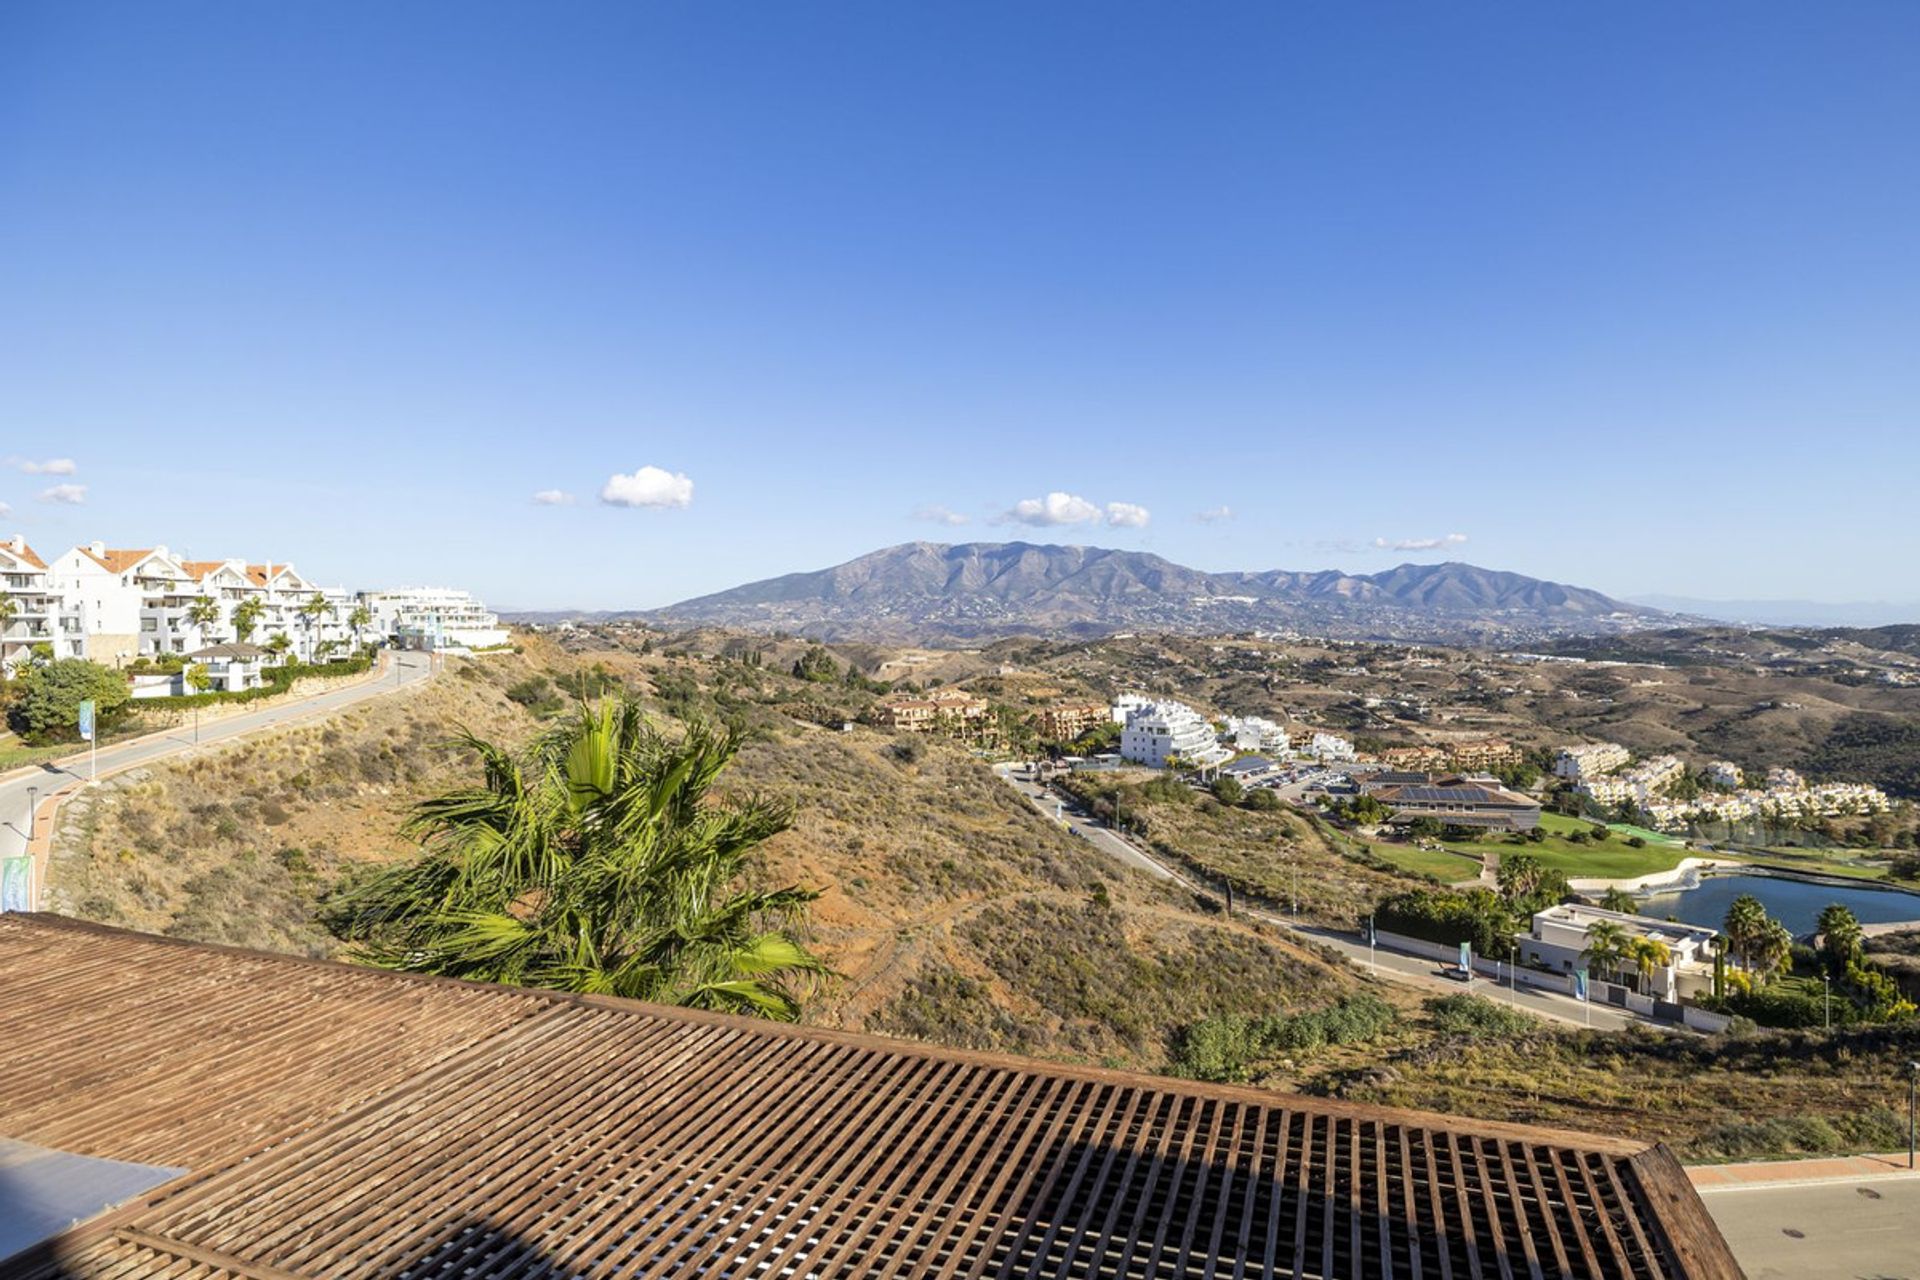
[
  {"x": 33, "y": 810},
  {"x": 1826, "y": 1002}
]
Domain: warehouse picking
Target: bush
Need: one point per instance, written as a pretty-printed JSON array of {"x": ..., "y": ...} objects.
[
  {"x": 1477, "y": 1016},
  {"x": 1232, "y": 1046},
  {"x": 46, "y": 706},
  {"x": 1263, "y": 800},
  {"x": 1227, "y": 790},
  {"x": 1449, "y": 917}
]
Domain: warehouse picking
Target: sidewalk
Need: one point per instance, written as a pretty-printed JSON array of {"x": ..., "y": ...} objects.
[{"x": 1756, "y": 1174}]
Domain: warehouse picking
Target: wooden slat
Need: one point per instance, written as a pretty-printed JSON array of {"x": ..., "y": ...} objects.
[{"x": 346, "y": 1124}]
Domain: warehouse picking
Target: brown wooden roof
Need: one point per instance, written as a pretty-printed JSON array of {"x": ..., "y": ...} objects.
[{"x": 349, "y": 1123}]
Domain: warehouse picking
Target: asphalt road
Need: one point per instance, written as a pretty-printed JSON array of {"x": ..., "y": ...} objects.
[
  {"x": 408, "y": 669},
  {"x": 1416, "y": 971},
  {"x": 1864, "y": 1230}
]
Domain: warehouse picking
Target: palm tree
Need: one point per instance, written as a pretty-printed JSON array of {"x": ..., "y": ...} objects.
[
  {"x": 9, "y": 610},
  {"x": 1746, "y": 922},
  {"x": 246, "y": 617},
  {"x": 1773, "y": 951},
  {"x": 1840, "y": 938},
  {"x": 1607, "y": 944},
  {"x": 1617, "y": 899},
  {"x": 279, "y": 644},
  {"x": 1649, "y": 955},
  {"x": 1518, "y": 875},
  {"x": 203, "y": 612},
  {"x": 597, "y": 864},
  {"x": 360, "y": 619}
]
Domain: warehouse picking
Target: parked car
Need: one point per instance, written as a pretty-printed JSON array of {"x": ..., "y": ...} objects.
[{"x": 1456, "y": 973}]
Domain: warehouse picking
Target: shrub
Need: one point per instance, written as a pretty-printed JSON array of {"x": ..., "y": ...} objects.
[{"x": 1477, "y": 1016}]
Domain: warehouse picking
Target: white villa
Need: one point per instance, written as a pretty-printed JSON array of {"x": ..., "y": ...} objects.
[
  {"x": 1558, "y": 941},
  {"x": 1579, "y": 764},
  {"x": 1162, "y": 731}
]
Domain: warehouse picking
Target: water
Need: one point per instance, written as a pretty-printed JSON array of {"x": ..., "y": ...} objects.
[{"x": 1795, "y": 903}]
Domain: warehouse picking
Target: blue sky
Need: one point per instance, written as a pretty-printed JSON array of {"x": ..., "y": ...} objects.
[{"x": 1623, "y": 295}]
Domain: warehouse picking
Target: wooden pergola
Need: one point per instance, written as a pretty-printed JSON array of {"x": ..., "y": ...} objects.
[{"x": 340, "y": 1122}]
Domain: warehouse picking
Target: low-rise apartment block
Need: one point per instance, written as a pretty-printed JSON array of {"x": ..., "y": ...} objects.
[
  {"x": 1561, "y": 939},
  {"x": 1331, "y": 746},
  {"x": 1578, "y": 764},
  {"x": 29, "y": 611},
  {"x": 1484, "y": 753},
  {"x": 1065, "y": 721}
]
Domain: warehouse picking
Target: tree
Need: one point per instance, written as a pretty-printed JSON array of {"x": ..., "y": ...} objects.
[
  {"x": 278, "y": 644},
  {"x": 1745, "y": 925},
  {"x": 360, "y": 619},
  {"x": 246, "y": 617},
  {"x": 1649, "y": 955},
  {"x": 1618, "y": 899},
  {"x": 46, "y": 705},
  {"x": 1773, "y": 952},
  {"x": 197, "y": 678},
  {"x": 1227, "y": 790},
  {"x": 816, "y": 666},
  {"x": 597, "y": 864},
  {"x": 1519, "y": 875},
  {"x": 204, "y": 612},
  {"x": 1840, "y": 939},
  {"x": 316, "y": 607},
  {"x": 1607, "y": 944}
]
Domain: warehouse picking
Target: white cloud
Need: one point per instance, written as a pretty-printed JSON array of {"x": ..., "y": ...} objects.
[
  {"x": 648, "y": 487},
  {"x": 71, "y": 495},
  {"x": 1128, "y": 515},
  {"x": 1215, "y": 515},
  {"x": 1055, "y": 508},
  {"x": 50, "y": 467},
  {"x": 1419, "y": 544},
  {"x": 934, "y": 513},
  {"x": 553, "y": 498},
  {"x": 5, "y": 511}
]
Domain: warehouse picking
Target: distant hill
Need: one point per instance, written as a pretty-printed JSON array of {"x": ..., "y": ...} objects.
[{"x": 932, "y": 592}]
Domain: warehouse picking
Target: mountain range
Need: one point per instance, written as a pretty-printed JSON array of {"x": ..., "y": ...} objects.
[{"x": 930, "y": 593}]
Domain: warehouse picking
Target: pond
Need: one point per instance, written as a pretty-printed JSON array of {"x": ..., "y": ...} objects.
[{"x": 1795, "y": 903}]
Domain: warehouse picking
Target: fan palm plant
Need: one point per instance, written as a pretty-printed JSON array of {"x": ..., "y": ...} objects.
[{"x": 596, "y": 864}]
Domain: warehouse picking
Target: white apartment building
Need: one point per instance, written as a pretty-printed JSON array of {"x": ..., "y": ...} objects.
[
  {"x": 120, "y": 604},
  {"x": 1330, "y": 746},
  {"x": 1256, "y": 733},
  {"x": 434, "y": 618},
  {"x": 1577, "y": 764},
  {"x": 29, "y": 612},
  {"x": 1126, "y": 704},
  {"x": 1723, "y": 773},
  {"x": 1163, "y": 731}
]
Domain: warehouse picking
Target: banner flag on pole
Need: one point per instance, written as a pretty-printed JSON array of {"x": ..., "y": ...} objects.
[
  {"x": 86, "y": 720},
  {"x": 16, "y": 884},
  {"x": 1580, "y": 984},
  {"x": 1466, "y": 956}
]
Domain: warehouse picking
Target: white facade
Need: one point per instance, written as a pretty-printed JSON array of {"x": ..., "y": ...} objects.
[
  {"x": 1577, "y": 764},
  {"x": 434, "y": 618},
  {"x": 1128, "y": 703},
  {"x": 1558, "y": 940},
  {"x": 1164, "y": 731},
  {"x": 1723, "y": 773},
  {"x": 31, "y": 613},
  {"x": 1256, "y": 733},
  {"x": 1330, "y": 746}
]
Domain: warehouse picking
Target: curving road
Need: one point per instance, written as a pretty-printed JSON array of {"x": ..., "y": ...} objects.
[
  {"x": 18, "y": 787},
  {"x": 1394, "y": 966}
]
